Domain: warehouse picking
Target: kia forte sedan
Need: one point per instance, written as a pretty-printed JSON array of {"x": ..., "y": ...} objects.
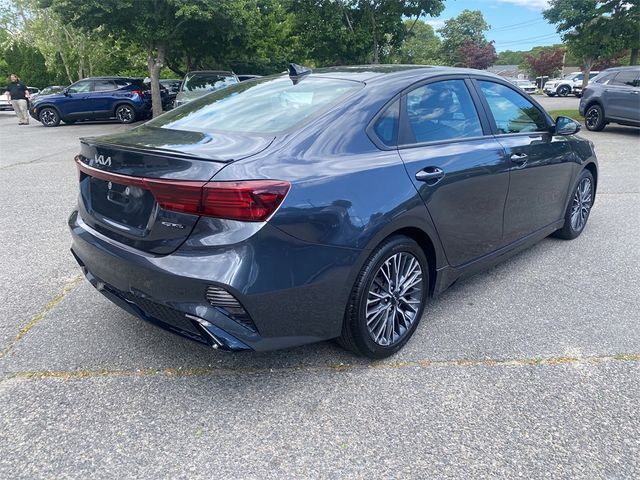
[{"x": 329, "y": 204}]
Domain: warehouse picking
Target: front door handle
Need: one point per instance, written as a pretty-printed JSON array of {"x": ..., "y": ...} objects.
[
  {"x": 519, "y": 157},
  {"x": 430, "y": 174}
]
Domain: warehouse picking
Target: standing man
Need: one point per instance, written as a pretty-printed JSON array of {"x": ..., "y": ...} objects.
[{"x": 18, "y": 94}]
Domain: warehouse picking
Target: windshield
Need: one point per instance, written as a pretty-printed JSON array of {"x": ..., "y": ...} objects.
[
  {"x": 207, "y": 82},
  {"x": 264, "y": 106}
]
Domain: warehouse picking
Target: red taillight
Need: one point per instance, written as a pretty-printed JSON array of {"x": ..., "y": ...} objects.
[
  {"x": 245, "y": 200},
  {"x": 138, "y": 92},
  {"x": 248, "y": 200}
]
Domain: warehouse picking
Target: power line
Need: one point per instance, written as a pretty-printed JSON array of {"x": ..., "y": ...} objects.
[{"x": 518, "y": 25}]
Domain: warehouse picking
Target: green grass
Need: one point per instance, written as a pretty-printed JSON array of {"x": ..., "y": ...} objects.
[{"x": 566, "y": 113}]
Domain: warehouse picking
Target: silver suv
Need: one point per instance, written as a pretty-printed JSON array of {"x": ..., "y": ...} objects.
[
  {"x": 564, "y": 86},
  {"x": 612, "y": 97}
]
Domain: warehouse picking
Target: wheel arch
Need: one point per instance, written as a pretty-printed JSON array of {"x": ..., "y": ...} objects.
[
  {"x": 124, "y": 102},
  {"x": 594, "y": 172},
  {"x": 49, "y": 105}
]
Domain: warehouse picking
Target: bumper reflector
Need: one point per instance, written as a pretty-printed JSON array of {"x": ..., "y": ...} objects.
[{"x": 218, "y": 297}]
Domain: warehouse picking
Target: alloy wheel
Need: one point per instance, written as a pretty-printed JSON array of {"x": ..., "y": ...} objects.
[
  {"x": 124, "y": 114},
  {"x": 48, "y": 117},
  {"x": 582, "y": 201},
  {"x": 592, "y": 118},
  {"x": 394, "y": 298}
]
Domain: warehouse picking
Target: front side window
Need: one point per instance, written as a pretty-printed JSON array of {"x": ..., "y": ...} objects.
[
  {"x": 512, "y": 112},
  {"x": 80, "y": 87},
  {"x": 441, "y": 111},
  {"x": 268, "y": 105}
]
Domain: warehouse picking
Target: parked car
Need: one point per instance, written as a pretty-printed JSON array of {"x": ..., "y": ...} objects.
[
  {"x": 564, "y": 86},
  {"x": 199, "y": 83},
  {"x": 173, "y": 87},
  {"x": 6, "y": 104},
  {"x": 244, "y": 78},
  {"x": 47, "y": 91},
  {"x": 304, "y": 207},
  {"x": 165, "y": 96},
  {"x": 612, "y": 97},
  {"x": 123, "y": 98},
  {"x": 524, "y": 85}
]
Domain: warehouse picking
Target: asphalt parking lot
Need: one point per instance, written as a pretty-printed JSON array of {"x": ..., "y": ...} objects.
[{"x": 531, "y": 369}]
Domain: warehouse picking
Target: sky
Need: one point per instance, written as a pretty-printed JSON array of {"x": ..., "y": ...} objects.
[{"x": 515, "y": 24}]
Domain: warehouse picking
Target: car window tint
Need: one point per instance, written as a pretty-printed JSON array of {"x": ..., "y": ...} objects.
[
  {"x": 79, "y": 87},
  {"x": 103, "y": 85},
  {"x": 442, "y": 111},
  {"x": 626, "y": 78},
  {"x": 120, "y": 82},
  {"x": 592, "y": 74},
  {"x": 604, "y": 77},
  {"x": 386, "y": 127},
  {"x": 512, "y": 112}
]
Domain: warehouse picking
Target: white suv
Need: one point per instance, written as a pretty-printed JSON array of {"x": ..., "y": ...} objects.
[{"x": 564, "y": 86}]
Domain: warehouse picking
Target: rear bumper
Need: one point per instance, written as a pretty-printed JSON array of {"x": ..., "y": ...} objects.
[{"x": 294, "y": 292}]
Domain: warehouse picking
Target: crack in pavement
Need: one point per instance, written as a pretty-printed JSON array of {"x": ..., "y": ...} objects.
[
  {"x": 37, "y": 160},
  {"x": 342, "y": 367},
  {"x": 41, "y": 314}
]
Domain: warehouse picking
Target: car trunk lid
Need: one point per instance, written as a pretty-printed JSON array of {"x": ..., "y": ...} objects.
[{"x": 128, "y": 182}]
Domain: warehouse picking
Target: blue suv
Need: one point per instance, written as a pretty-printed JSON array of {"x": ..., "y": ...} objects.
[{"x": 125, "y": 99}]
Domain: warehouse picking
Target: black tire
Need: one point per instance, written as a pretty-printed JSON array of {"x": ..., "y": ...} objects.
[
  {"x": 69, "y": 122},
  {"x": 394, "y": 314},
  {"x": 551, "y": 94},
  {"x": 594, "y": 118},
  {"x": 564, "y": 90},
  {"x": 125, "y": 113},
  {"x": 579, "y": 208},
  {"x": 49, "y": 117}
]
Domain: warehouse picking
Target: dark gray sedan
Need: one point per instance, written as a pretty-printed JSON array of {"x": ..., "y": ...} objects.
[{"x": 329, "y": 204}]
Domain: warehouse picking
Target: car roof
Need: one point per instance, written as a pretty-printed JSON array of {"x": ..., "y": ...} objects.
[
  {"x": 220, "y": 72},
  {"x": 403, "y": 74},
  {"x": 619, "y": 69}
]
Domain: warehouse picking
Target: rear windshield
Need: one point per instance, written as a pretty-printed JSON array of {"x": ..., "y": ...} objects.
[
  {"x": 264, "y": 106},
  {"x": 207, "y": 82}
]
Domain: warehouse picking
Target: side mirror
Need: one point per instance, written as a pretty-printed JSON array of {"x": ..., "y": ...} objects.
[
  {"x": 66, "y": 93},
  {"x": 566, "y": 126}
]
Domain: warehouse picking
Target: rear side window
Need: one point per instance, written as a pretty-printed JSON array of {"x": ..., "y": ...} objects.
[
  {"x": 207, "y": 82},
  {"x": 103, "y": 85},
  {"x": 441, "y": 111},
  {"x": 120, "y": 82},
  {"x": 386, "y": 127},
  {"x": 512, "y": 112},
  {"x": 263, "y": 106},
  {"x": 626, "y": 78}
]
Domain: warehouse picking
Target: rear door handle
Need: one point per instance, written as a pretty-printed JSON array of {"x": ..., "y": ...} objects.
[
  {"x": 519, "y": 157},
  {"x": 430, "y": 174}
]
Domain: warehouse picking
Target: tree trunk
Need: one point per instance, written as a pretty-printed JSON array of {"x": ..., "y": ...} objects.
[
  {"x": 155, "y": 65},
  {"x": 634, "y": 56},
  {"x": 587, "y": 63}
]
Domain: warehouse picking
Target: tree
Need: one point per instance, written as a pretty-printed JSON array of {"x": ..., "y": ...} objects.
[
  {"x": 421, "y": 46},
  {"x": 470, "y": 25},
  {"x": 546, "y": 62},
  {"x": 588, "y": 33},
  {"x": 625, "y": 15},
  {"x": 356, "y": 31},
  {"x": 151, "y": 24},
  {"x": 510, "y": 57},
  {"x": 476, "y": 55}
]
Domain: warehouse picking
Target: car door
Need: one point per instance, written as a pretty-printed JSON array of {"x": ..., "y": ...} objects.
[
  {"x": 460, "y": 171},
  {"x": 622, "y": 96},
  {"x": 75, "y": 104},
  {"x": 541, "y": 163},
  {"x": 101, "y": 97}
]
